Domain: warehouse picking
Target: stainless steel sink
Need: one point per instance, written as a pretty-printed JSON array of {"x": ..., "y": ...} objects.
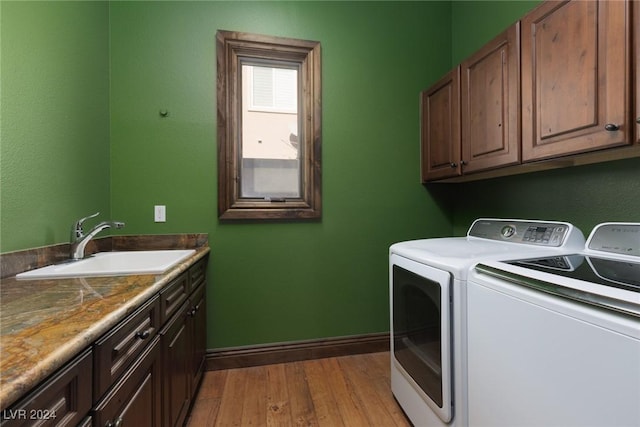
[{"x": 113, "y": 264}]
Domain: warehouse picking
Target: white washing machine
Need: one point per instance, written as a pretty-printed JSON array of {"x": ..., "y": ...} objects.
[
  {"x": 555, "y": 341},
  {"x": 427, "y": 282}
]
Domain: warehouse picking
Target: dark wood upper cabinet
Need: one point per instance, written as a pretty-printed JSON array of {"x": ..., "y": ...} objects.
[
  {"x": 490, "y": 104},
  {"x": 440, "y": 128},
  {"x": 471, "y": 117},
  {"x": 575, "y": 78}
]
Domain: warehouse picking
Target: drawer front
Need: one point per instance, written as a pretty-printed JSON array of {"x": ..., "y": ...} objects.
[
  {"x": 64, "y": 399},
  {"x": 198, "y": 273},
  {"x": 115, "y": 352},
  {"x": 136, "y": 398},
  {"x": 173, "y": 296}
]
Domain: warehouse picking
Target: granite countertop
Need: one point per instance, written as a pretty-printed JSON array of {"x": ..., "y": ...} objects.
[{"x": 45, "y": 323}]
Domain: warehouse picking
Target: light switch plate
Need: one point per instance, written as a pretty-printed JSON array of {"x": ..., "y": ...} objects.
[{"x": 160, "y": 213}]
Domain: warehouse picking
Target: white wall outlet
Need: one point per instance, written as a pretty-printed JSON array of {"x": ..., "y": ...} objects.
[{"x": 160, "y": 213}]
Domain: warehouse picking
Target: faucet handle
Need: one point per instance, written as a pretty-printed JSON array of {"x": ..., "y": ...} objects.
[{"x": 76, "y": 229}]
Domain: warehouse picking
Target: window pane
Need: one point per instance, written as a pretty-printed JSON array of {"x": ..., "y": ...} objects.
[
  {"x": 270, "y": 178},
  {"x": 271, "y": 165}
]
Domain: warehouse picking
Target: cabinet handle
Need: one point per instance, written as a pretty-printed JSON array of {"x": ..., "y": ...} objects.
[
  {"x": 143, "y": 335},
  {"x": 462, "y": 163},
  {"x": 611, "y": 127},
  {"x": 453, "y": 165},
  {"x": 638, "y": 120}
]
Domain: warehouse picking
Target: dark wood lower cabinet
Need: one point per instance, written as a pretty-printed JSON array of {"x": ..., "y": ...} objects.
[{"x": 132, "y": 375}]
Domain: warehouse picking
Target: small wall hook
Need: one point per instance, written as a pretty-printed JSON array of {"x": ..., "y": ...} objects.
[{"x": 164, "y": 113}]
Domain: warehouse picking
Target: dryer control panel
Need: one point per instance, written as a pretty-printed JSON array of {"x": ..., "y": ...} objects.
[{"x": 543, "y": 233}]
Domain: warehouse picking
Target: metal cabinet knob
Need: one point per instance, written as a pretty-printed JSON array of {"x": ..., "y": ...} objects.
[
  {"x": 611, "y": 127},
  {"x": 454, "y": 165},
  {"x": 638, "y": 120},
  {"x": 117, "y": 423},
  {"x": 143, "y": 335}
]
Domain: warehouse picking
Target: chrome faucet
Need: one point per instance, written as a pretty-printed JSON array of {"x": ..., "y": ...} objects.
[{"x": 79, "y": 240}]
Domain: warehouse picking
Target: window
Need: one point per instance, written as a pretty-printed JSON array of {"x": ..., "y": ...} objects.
[{"x": 269, "y": 128}]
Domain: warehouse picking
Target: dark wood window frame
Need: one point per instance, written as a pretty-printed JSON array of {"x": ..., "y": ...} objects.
[{"x": 232, "y": 49}]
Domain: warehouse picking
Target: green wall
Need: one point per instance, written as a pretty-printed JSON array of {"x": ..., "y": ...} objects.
[
  {"x": 82, "y": 84},
  {"x": 474, "y": 23},
  {"x": 273, "y": 282},
  {"x": 54, "y": 113},
  {"x": 584, "y": 196}
]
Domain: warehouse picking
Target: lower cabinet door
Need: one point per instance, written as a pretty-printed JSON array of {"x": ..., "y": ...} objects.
[
  {"x": 136, "y": 399},
  {"x": 199, "y": 326},
  {"x": 176, "y": 355}
]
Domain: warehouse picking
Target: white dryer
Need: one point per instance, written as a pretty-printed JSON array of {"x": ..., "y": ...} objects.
[{"x": 427, "y": 285}]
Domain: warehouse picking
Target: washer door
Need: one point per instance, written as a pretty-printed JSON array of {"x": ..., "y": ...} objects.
[{"x": 421, "y": 331}]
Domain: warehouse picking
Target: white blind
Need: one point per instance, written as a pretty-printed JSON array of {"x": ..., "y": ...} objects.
[{"x": 275, "y": 88}]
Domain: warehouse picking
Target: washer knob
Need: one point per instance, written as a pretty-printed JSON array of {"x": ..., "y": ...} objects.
[{"x": 508, "y": 231}]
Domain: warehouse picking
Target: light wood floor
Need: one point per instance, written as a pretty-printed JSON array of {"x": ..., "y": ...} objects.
[{"x": 347, "y": 391}]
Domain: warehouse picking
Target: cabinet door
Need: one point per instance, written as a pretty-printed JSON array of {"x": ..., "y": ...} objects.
[
  {"x": 199, "y": 337},
  {"x": 176, "y": 359},
  {"x": 490, "y": 104},
  {"x": 575, "y": 78},
  {"x": 440, "y": 128},
  {"x": 136, "y": 398}
]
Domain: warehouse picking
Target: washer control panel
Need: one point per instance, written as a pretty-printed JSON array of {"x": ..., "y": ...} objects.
[
  {"x": 552, "y": 234},
  {"x": 616, "y": 237}
]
